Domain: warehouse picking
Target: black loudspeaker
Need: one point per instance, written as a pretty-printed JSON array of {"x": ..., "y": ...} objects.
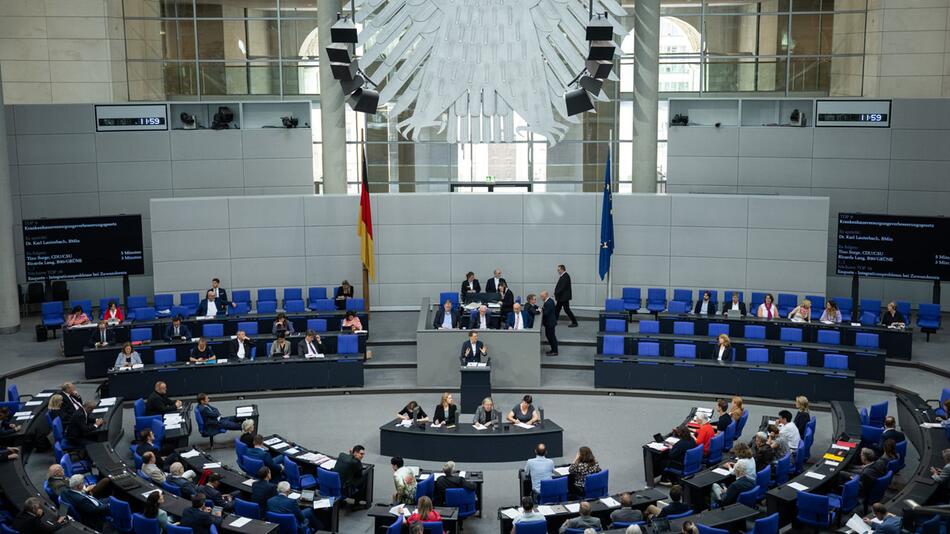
[
  {"x": 344, "y": 71},
  {"x": 338, "y": 53},
  {"x": 41, "y": 333},
  {"x": 343, "y": 31},
  {"x": 600, "y": 69},
  {"x": 364, "y": 100},
  {"x": 349, "y": 86},
  {"x": 577, "y": 101},
  {"x": 601, "y": 50},
  {"x": 599, "y": 29},
  {"x": 591, "y": 85}
]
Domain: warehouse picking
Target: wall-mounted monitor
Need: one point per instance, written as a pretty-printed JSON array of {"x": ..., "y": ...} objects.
[
  {"x": 893, "y": 246},
  {"x": 83, "y": 247},
  {"x": 853, "y": 113},
  {"x": 131, "y": 117}
]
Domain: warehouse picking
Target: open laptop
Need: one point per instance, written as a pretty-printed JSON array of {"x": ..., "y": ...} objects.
[{"x": 733, "y": 314}]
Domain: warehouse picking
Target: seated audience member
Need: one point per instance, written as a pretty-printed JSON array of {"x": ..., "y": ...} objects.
[
  {"x": 280, "y": 348},
  {"x": 55, "y": 406},
  {"x": 412, "y": 411},
  {"x": 127, "y": 358},
  {"x": 283, "y": 504},
  {"x": 282, "y": 324},
  {"x": 705, "y": 306},
  {"x": 734, "y": 304},
  {"x": 689, "y": 528},
  {"x": 450, "y": 479},
  {"x": 762, "y": 451},
  {"x": 343, "y": 292},
  {"x": 584, "y": 464},
  {"x": 705, "y": 433},
  {"x": 539, "y": 468},
  {"x": 872, "y": 468},
  {"x": 742, "y": 483},
  {"x": 199, "y": 517},
  {"x": 424, "y": 512},
  {"x": 788, "y": 438},
  {"x": 242, "y": 347},
  {"x": 524, "y": 412},
  {"x": 30, "y": 519},
  {"x": 942, "y": 474},
  {"x": 350, "y": 467},
  {"x": 159, "y": 402},
  {"x": 891, "y": 432},
  {"x": 92, "y": 512},
  {"x": 209, "y": 307},
  {"x": 446, "y": 317},
  {"x": 178, "y": 477},
  {"x": 893, "y": 317},
  {"x": 768, "y": 309},
  {"x": 311, "y": 345},
  {"x": 260, "y": 452},
  {"x": 831, "y": 314},
  {"x": 151, "y": 468},
  {"x": 473, "y": 350},
  {"x": 76, "y": 317},
  {"x": 56, "y": 479},
  {"x": 247, "y": 432},
  {"x": 723, "y": 348},
  {"x": 626, "y": 513},
  {"x": 72, "y": 401},
  {"x": 351, "y": 322},
  {"x": 528, "y": 514},
  {"x": 153, "y": 509},
  {"x": 146, "y": 444},
  {"x": 518, "y": 319},
  {"x": 7, "y": 426},
  {"x": 446, "y": 412},
  {"x": 585, "y": 520},
  {"x": 737, "y": 408},
  {"x": 889, "y": 451},
  {"x": 212, "y": 416},
  {"x": 487, "y": 415},
  {"x": 82, "y": 425},
  {"x": 202, "y": 352},
  {"x": 507, "y": 300},
  {"x": 803, "y": 417},
  {"x": 722, "y": 410},
  {"x": 676, "y": 506},
  {"x": 802, "y": 312},
  {"x": 743, "y": 457},
  {"x": 469, "y": 286},
  {"x": 101, "y": 336},
  {"x": 113, "y": 313},
  {"x": 677, "y": 454},
  {"x": 263, "y": 489},
  {"x": 480, "y": 319},
  {"x": 177, "y": 331},
  {"x": 887, "y": 523},
  {"x": 404, "y": 480}
]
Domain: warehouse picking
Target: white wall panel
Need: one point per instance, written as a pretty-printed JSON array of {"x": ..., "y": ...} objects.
[
  {"x": 412, "y": 238},
  {"x": 481, "y": 238},
  {"x": 712, "y": 242},
  {"x": 191, "y": 245},
  {"x": 269, "y": 272},
  {"x": 266, "y": 212},
  {"x": 58, "y": 178},
  {"x": 205, "y": 144},
  {"x": 710, "y": 210},
  {"x": 787, "y": 276},
  {"x": 492, "y": 208},
  {"x": 849, "y": 173},
  {"x": 132, "y": 146},
  {"x": 775, "y": 172},
  {"x": 705, "y": 170},
  {"x": 707, "y": 272},
  {"x": 775, "y": 244},
  {"x": 268, "y": 242},
  {"x": 208, "y": 173},
  {"x": 412, "y": 268},
  {"x": 641, "y": 209},
  {"x": 60, "y": 148},
  {"x": 189, "y": 213},
  {"x": 640, "y": 240},
  {"x": 141, "y": 176}
]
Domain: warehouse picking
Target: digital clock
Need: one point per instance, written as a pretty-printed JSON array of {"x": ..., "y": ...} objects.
[
  {"x": 132, "y": 121},
  {"x": 854, "y": 113},
  {"x": 131, "y": 117}
]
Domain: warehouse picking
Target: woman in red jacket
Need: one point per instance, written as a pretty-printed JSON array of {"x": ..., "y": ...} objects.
[
  {"x": 424, "y": 512},
  {"x": 705, "y": 433},
  {"x": 113, "y": 313}
]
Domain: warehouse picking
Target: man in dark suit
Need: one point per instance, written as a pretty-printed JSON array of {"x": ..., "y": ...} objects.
[
  {"x": 481, "y": 319},
  {"x": 212, "y": 416},
  {"x": 199, "y": 517},
  {"x": 210, "y": 306},
  {"x": 259, "y": 452},
  {"x": 263, "y": 489},
  {"x": 350, "y": 467},
  {"x": 220, "y": 294},
  {"x": 212, "y": 493},
  {"x": 549, "y": 313},
  {"x": 470, "y": 285},
  {"x": 159, "y": 403},
  {"x": 872, "y": 468},
  {"x": 282, "y": 504},
  {"x": 72, "y": 401},
  {"x": 519, "y": 319},
  {"x": 30, "y": 520},
  {"x": 729, "y": 496},
  {"x": 531, "y": 305},
  {"x": 507, "y": 301},
  {"x": 734, "y": 304},
  {"x": 177, "y": 331},
  {"x": 310, "y": 345},
  {"x": 705, "y": 306},
  {"x": 102, "y": 336},
  {"x": 446, "y": 317},
  {"x": 492, "y": 285},
  {"x": 891, "y": 432},
  {"x": 242, "y": 346},
  {"x": 448, "y": 480},
  {"x": 82, "y": 424},
  {"x": 562, "y": 294},
  {"x": 473, "y": 350},
  {"x": 92, "y": 512},
  {"x": 176, "y": 477}
]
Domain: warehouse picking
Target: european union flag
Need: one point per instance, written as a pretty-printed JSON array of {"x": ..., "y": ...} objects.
[{"x": 606, "y": 224}]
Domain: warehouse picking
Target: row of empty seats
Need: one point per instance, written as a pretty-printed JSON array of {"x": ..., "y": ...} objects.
[{"x": 750, "y": 331}]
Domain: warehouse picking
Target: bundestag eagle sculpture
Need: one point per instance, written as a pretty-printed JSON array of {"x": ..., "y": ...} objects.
[{"x": 467, "y": 66}]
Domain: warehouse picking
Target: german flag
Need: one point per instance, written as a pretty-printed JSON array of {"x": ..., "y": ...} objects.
[{"x": 365, "y": 227}]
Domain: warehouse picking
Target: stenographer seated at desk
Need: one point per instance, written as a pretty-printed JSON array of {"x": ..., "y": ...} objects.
[
  {"x": 486, "y": 415},
  {"x": 102, "y": 336},
  {"x": 446, "y": 412},
  {"x": 413, "y": 412},
  {"x": 127, "y": 358},
  {"x": 177, "y": 331},
  {"x": 473, "y": 350},
  {"x": 446, "y": 317},
  {"x": 202, "y": 352},
  {"x": 524, "y": 412},
  {"x": 351, "y": 322},
  {"x": 470, "y": 286}
]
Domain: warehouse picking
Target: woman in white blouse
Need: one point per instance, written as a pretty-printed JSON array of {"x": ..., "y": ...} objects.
[
  {"x": 768, "y": 309},
  {"x": 802, "y": 312},
  {"x": 724, "y": 351}
]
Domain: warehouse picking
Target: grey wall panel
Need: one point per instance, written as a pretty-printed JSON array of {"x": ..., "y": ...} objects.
[
  {"x": 209, "y": 192},
  {"x": 414, "y": 209},
  {"x": 919, "y": 203},
  {"x": 559, "y": 208},
  {"x": 269, "y": 272},
  {"x": 11, "y": 147},
  {"x": 278, "y": 172},
  {"x": 852, "y": 143},
  {"x": 712, "y": 242},
  {"x": 567, "y": 239},
  {"x": 280, "y": 190},
  {"x": 542, "y": 268},
  {"x": 8, "y": 113},
  {"x": 640, "y": 271},
  {"x": 849, "y": 173},
  {"x": 699, "y": 141},
  {"x": 408, "y": 239},
  {"x": 326, "y": 241},
  {"x": 496, "y": 209},
  {"x": 186, "y": 276},
  {"x": 14, "y": 181},
  {"x": 787, "y": 276},
  {"x": 774, "y": 244},
  {"x": 191, "y": 245},
  {"x": 641, "y": 240},
  {"x": 920, "y": 144},
  {"x": 206, "y": 144},
  {"x": 132, "y": 146},
  {"x": 53, "y": 119},
  {"x": 797, "y": 213},
  {"x": 706, "y": 170},
  {"x": 919, "y": 114},
  {"x": 277, "y": 143},
  {"x": 920, "y": 175},
  {"x": 864, "y": 200},
  {"x": 412, "y": 268},
  {"x": 484, "y": 265},
  {"x": 60, "y": 148},
  {"x": 710, "y": 210},
  {"x": 331, "y": 210},
  {"x": 115, "y": 202},
  {"x": 764, "y": 190},
  {"x": 61, "y": 178},
  {"x": 776, "y": 142},
  {"x": 775, "y": 171},
  {"x": 207, "y": 174},
  {"x": 641, "y": 209},
  {"x": 189, "y": 213},
  {"x": 142, "y": 176},
  {"x": 266, "y": 212},
  {"x": 707, "y": 272},
  {"x": 840, "y": 286},
  {"x": 268, "y": 242},
  {"x": 399, "y": 294},
  {"x": 478, "y": 238},
  {"x": 86, "y": 289},
  {"x": 912, "y": 291},
  {"x": 701, "y": 189},
  {"x": 332, "y": 270},
  {"x": 60, "y": 205}
]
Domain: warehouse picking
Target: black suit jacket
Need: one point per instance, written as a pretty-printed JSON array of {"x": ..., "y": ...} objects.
[
  {"x": 562, "y": 291},
  {"x": 27, "y": 523},
  {"x": 507, "y": 303},
  {"x": 728, "y": 306},
  {"x": 159, "y": 404},
  {"x": 490, "y": 286},
  {"x": 202, "y": 310},
  {"x": 261, "y": 490},
  {"x": 465, "y": 358},
  {"x": 80, "y": 426},
  {"x": 710, "y": 310},
  {"x": 448, "y": 482},
  {"x": 96, "y": 337},
  {"x": 248, "y": 347},
  {"x": 475, "y": 286},
  {"x": 350, "y": 470},
  {"x": 199, "y": 520},
  {"x": 222, "y": 295},
  {"x": 548, "y": 315},
  {"x": 440, "y": 316},
  {"x": 183, "y": 332},
  {"x": 893, "y": 434},
  {"x": 68, "y": 408}
]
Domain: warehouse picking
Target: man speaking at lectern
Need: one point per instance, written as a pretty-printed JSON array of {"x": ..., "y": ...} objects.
[{"x": 473, "y": 350}]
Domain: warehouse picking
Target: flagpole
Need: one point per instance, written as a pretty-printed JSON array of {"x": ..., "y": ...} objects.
[
  {"x": 610, "y": 141},
  {"x": 365, "y": 270}
]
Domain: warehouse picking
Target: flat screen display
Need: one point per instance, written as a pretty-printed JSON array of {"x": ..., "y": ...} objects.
[
  {"x": 83, "y": 247},
  {"x": 893, "y": 246}
]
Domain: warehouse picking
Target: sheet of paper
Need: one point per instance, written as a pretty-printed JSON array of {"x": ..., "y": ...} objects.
[
  {"x": 462, "y": 474},
  {"x": 149, "y": 492},
  {"x": 836, "y": 446},
  {"x": 240, "y": 522},
  {"x": 657, "y": 446},
  {"x": 244, "y": 411},
  {"x": 292, "y": 451},
  {"x": 546, "y": 510},
  {"x": 190, "y": 454},
  {"x": 857, "y": 524},
  {"x": 24, "y": 418},
  {"x": 523, "y": 425},
  {"x": 272, "y": 441},
  {"x": 138, "y": 365},
  {"x": 221, "y": 360},
  {"x": 34, "y": 403},
  {"x": 212, "y": 465},
  {"x": 249, "y": 482},
  {"x": 45, "y": 394},
  {"x": 20, "y": 414},
  {"x": 720, "y": 471},
  {"x": 477, "y": 426},
  {"x": 817, "y": 476},
  {"x": 176, "y": 426},
  {"x": 610, "y": 502},
  {"x": 930, "y": 425},
  {"x": 322, "y": 503},
  {"x": 573, "y": 507},
  {"x": 293, "y": 495},
  {"x": 108, "y": 401},
  {"x": 329, "y": 464},
  {"x": 672, "y": 440},
  {"x": 397, "y": 510},
  {"x": 832, "y": 463},
  {"x": 797, "y": 487},
  {"x": 510, "y": 513},
  {"x": 101, "y": 410},
  {"x": 405, "y": 423},
  {"x": 280, "y": 445},
  {"x": 563, "y": 471}
]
